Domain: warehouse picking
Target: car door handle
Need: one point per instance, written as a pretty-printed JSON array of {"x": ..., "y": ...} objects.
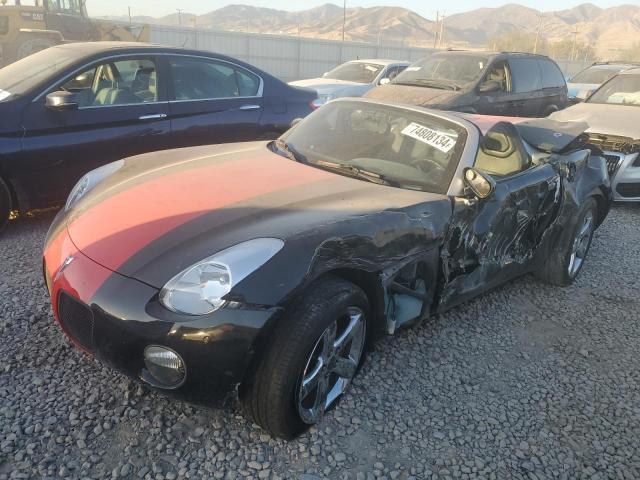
[
  {"x": 155, "y": 116},
  {"x": 250, "y": 107}
]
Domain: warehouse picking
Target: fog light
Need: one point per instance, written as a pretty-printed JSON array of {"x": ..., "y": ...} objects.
[{"x": 165, "y": 366}]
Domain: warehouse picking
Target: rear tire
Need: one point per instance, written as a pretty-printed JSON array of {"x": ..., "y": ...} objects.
[
  {"x": 284, "y": 397},
  {"x": 5, "y": 204},
  {"x": 566, "y": 261}
]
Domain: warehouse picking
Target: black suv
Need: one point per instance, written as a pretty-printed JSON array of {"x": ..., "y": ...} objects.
[{"x": 511, "y": 84}]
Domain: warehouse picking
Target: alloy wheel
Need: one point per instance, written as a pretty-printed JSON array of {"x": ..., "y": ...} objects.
[
  {"x": 581, "y": 244},
  {"x": 331, "y": 366}
]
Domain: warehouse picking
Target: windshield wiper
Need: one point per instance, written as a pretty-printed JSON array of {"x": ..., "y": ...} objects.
[
  {"x": 430, "y": 83},
  {"x": 290, "y": 151},
  {"x": 358, "y": 172}
]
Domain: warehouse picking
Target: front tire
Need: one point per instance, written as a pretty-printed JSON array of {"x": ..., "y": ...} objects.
[
  {"x": 316, "y": 351},
  {"x": 565, "y": 263},
  {"x": 5, "y": 204}
]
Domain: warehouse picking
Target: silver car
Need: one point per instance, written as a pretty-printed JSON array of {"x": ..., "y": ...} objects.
[
  {"x": 585, "y": 82},
  {"x": 352, "y": 79},
  {"x": 613, "y": 115}
]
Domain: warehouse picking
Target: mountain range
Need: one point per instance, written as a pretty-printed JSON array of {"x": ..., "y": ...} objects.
[{"x": 608, "y": 30}]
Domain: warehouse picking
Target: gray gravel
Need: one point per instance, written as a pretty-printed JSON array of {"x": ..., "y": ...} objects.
[{"x": 529, "y": 381}]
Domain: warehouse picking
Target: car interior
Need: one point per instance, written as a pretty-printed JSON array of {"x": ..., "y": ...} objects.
[
  {"x": 193, "y": 79},
  {"x": 502, "y": 151},
  {"x": 117, "y": 83},
  {"x": 499, "y": 74}
]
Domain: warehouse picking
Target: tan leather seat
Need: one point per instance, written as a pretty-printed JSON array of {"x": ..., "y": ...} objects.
[{"x": 502, "y": 151}]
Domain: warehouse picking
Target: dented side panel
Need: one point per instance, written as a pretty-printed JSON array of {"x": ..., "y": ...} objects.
[{"x": 491, "y": 241}]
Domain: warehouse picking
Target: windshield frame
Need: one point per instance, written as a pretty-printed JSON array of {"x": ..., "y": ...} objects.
[
  {"x": 606, "y": 85},
  {"x": 452, "y": 184}
]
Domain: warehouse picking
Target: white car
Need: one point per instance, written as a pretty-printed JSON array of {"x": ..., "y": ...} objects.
[
  {"x": 352, "y": 79},
  {"x": 613, "y": 115}
]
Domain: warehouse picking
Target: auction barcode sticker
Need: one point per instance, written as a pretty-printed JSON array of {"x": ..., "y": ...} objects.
[{"x": 442, "y": 141}]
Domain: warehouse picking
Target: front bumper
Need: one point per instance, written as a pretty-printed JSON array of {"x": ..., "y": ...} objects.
[
  {"x": 624, "y": 171},
  {"x": 114, "y": 318}
]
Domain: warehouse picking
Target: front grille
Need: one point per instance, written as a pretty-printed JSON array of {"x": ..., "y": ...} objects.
[
  {"x": 613, "y": 164},
  {"x": 4, "y": 25},
  {"x": 628, "y": 190},
  {"x": 77, "y": 319}
]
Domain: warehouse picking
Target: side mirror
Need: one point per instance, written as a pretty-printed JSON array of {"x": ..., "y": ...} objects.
[
  {"x": 62, "y": 101},
  {"x": 480, "y": 184},
  {"x": 490, "y": 87},
  {"x": 295, "y": 122},
  {"x": 582, "y": 95},
  {"x": 385, "y": 81}
]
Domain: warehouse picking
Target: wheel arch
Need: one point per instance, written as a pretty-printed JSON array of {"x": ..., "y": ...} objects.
[{"x": 602, "y": 204}]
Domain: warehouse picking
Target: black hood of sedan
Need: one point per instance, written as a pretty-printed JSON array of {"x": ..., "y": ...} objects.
[
  {"x": 420, "y": 96},
  {"x": 163, "y": 212}
]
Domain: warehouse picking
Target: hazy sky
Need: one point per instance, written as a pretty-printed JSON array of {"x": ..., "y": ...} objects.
[{"x": 158, "y": 8}]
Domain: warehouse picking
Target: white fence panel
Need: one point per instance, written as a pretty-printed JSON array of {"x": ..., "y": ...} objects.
[
  {"x": 289, "y": 58},
  {"x": 293, "y": 58}
]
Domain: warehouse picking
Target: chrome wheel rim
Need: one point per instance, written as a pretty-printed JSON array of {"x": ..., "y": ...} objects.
[
  {"x": 331, "y": 366},
  {"x": 581, "y": 244}
]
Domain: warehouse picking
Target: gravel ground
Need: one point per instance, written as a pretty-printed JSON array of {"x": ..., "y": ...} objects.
[{"x": 529, "y": 381}]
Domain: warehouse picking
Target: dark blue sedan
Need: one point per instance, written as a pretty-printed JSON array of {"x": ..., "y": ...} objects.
[{"x": 72, "y": 108}]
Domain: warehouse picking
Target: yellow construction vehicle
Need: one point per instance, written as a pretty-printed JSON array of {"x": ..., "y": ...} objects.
[{"x": 26, "y": 29}]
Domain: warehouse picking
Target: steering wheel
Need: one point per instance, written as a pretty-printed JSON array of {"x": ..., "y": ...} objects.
[{"x": 421, "y": 163}]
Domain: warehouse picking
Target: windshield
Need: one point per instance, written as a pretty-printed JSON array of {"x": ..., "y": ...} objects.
[
  {"x": 378, "y": 143},
  {"x": 444, "y": 71},
  {"x": 594, "y": 75},
  {"x": 622, "y": 90},
  {"x": 355, "y": 72},
  {"x": 20, "y": 77}
]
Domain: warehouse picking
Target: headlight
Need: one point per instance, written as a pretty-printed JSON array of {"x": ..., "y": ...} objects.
[
  {"x": 322, "y": 99},
  {"x": 199, "y": 289},
  {"x": 90, "y": 180}
]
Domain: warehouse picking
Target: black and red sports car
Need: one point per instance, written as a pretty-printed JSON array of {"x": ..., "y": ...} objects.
[{"x": 261, "y": 270}]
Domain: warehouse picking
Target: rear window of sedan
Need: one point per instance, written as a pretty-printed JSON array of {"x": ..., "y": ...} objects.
[{"x": 407, "y": 148}]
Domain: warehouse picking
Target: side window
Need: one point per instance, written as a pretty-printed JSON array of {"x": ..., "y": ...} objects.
[
  {"x": 526, "y": 74},
  {"x": 499, "y": 74},
  {"x": 125, "y": 82},
  {"x": 551, "y": 75},
  {"x": 247, "y": 84},
  {"x": 202, "y": 79}
]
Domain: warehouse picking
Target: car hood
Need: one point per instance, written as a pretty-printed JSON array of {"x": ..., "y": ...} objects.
[
  {"x": 619, "y": 120},
  {"x": 413, "y": 95},
  {"x": 324, "y": 83},
  {"x": 163, "y": 212}
]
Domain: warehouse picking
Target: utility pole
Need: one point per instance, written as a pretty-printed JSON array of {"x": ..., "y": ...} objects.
[
  {"x": 436, "y": 29},
  {"x": 538, "y": 31},
  {"x": 129, "y": 15},
  {"x": 575, "y": 41},
  {"x": 442, "y": 30},
  {"x": 180, "y": 10},
  {"x": 344, "y": 19}
]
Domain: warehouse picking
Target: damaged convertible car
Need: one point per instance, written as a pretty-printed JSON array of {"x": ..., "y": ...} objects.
[{"x": 262, "y": 271}]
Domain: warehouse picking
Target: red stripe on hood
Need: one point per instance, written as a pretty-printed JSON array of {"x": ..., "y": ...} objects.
[{"x": 121, "y": 225}]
